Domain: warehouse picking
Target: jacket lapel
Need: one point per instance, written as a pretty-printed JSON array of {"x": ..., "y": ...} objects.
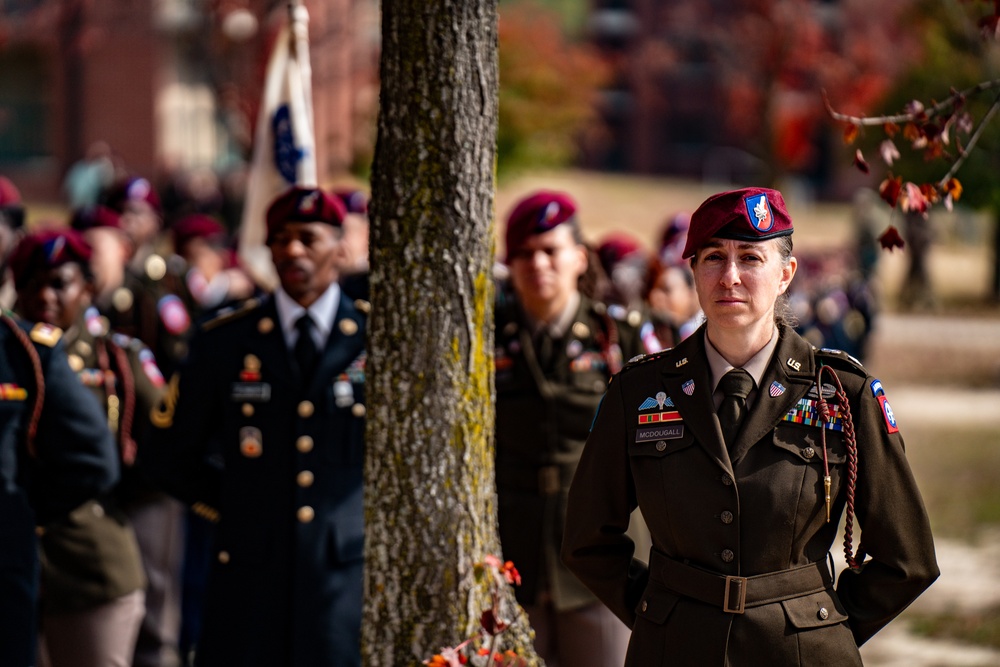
[
  {"x": 690, "y": 370},
  {"x": 792, "y": 368},
  {"x": 345, "y": 343}
]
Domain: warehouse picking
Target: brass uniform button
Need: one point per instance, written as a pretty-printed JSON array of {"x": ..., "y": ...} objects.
[
  {"x": 306, "y": 409},
  {"x": 348, "y": 327},
  {"x": 75, "y": 363},
  {"x": 266, "y": 325},
  {"x": 727, "y": 480},
  {"x": 83, "y": 348},
  {"x": 248, "y": 410},
  {"x": 223, "y": 557},
  {"x": 634, "y": 318},
  {"x": 305, "y": 514},
  {"x": 580, "y": 330},
  {"x": 823, "y": 614},
  {"x": 727, "y": 517},
  {"x": 304, "y": 444},
  {"x": 358, "y": 410},
  {"x": 661, "y": 445},
  {"x": 808, "y": 452},
  {"x": 156, "y": 267},
  {"x": 304, "y": 479},
  {"x": 122, "y": 299},
  {"x": 727, "y": 555},
  {"x": 645, "y": 605}
]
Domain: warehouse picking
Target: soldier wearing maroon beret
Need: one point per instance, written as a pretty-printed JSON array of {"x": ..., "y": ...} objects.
[
  {"x": 743, "y": 446},
  {"x": 262, "y": 434},
  {"x": 556, "y": 349},
  {"x": 354, "y": 258},
  {"x": 93, "y": 583}
]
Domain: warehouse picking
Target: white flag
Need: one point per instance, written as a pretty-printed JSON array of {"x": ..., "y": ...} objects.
[{"x": 284, "y": 151}]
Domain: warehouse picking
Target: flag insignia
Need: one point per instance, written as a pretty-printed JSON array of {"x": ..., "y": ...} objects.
[
  {"x": 776, "y": 389},
  {"x": 688, "y": 387},
  {"x": 759, "y": 212}
]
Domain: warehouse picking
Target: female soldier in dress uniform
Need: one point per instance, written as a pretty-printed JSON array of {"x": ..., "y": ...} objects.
[
  {"x": 92, "y": 577},
  {"x": 743, "y": 446}
]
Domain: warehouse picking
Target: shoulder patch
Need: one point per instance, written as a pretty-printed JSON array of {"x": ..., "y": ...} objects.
[
  {"x": 828, "y": 354},
  {"x": 45, "y": 334},
  {"x": 231, "y": 315}
]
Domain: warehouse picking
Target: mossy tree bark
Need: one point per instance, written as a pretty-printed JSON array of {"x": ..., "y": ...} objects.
[{"x": 430, "y": 493}]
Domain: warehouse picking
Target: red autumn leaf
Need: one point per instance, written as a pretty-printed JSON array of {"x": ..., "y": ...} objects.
[
  {"x": 859, "y": 162},
  {"x": 491, "y": 624},
  {"x": 930, "y": 192},
  {"x": 850, "y": 133},
  {"x": 911, "y": 132},
  {"x": 890, "y": 129},
  {"x": 890, "y": 188},
  {"x": 891, "y": 239},
  {"x": 913, "y": 200}
]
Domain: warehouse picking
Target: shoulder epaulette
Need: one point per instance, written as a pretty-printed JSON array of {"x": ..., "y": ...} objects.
[
  {"x": 641, "y": 359},
  {"x": 828, "y": 353},
  {"x": 230, "y": 315},
  {"x": 45, "y": 334}
]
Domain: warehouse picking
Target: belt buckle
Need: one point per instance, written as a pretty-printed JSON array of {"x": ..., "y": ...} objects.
[{"x": 741, "y": 585}]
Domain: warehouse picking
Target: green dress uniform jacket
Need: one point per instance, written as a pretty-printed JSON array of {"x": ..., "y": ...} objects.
[
  {"x": 279, "y": 466},
  {"x": 72, "y": 458},
  {"x": 91, "y": 556},
  {"x": 714, "y": 519},
  {"x": 544, "y": 411}
]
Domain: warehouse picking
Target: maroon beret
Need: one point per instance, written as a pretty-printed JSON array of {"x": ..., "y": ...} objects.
[
  {"x": 133, "y": 189},
  {"x": 11, "y": 207},
  {"x": 45, "y": 250},
  {"x": 354, "y": 201},
  {"x": 95, "y": 216},
  {"x": 537, "y": 213},
  {"x": 616, "y": 246},
  {"x": 748, "y": 214},
  {"x": 299, "y": 204},
  {"x": 197, "y": 226}
]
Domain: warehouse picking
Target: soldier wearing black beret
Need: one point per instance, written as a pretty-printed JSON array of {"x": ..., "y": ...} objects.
[
  {"x": 262, "y": 432},
  {"x": 743, "y": 446}
]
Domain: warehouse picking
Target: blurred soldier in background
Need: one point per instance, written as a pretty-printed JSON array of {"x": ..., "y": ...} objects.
[
  {"x": 92, "y": 577},
  {"x": 11, "y": 228},
  {"x": 262, "y": 431},
  {"x": 56, "y": 452},
  {"x": 354, "y": 245},
  {"x": 556, "y": 349}
]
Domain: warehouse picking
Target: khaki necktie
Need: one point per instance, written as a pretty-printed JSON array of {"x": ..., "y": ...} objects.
[{"x": 736, "y": 386}]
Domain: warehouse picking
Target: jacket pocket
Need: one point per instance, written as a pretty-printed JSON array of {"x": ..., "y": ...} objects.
[
  {"x": 805, "y": 443},
  {"x": 656, "y": 604},
  {"x": 817, "y": 610}
]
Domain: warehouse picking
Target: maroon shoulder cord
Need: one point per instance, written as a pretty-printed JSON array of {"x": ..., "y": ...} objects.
[
  {"x": 852, "y": 461},
  {"x": 36, "y": 364}
]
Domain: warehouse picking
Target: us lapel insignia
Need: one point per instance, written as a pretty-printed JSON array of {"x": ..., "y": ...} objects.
[
  {"x": 251, "y": 442},
  {"x": 776, "y": 389},
  {"x": 792, "y": 363},
  {"x": 688, "y": 387},
  {"x": 348, "y": 326},
  {"x": 681, "y": 362}
]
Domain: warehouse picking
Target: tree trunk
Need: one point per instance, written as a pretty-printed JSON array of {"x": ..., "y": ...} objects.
[{"x": 430, "y": 493}]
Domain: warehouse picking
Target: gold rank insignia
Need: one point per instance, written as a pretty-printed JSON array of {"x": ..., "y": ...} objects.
[
  {"x": 46, "y": 334},
  {"x": 251, "y": 442},
  {"x": 266, "y": 325},
  {"x": 348, "y": 327},
  {"x": 122, "y": 299}
]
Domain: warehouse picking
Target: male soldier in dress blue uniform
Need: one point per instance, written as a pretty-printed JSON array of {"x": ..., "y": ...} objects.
[
  {"x": 55, "y": 452},
  {"x": 556, "y": 349},
  {"x": 262, "y": 431}
]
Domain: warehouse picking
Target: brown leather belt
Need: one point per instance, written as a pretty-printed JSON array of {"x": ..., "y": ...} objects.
[{"x": 734, "y": 594}]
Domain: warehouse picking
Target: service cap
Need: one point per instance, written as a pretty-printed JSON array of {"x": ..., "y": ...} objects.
[{"x": 747, "y": 214}]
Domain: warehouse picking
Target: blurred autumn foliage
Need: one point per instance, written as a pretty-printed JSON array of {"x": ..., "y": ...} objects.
[{"x": 548, "y": 89}]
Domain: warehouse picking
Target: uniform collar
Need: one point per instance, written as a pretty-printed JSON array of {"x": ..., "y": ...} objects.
[
  {"x": 561, "y": 324},
  {"x": 755, "y": 366},
  {"x": 323, "y": 312}
]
